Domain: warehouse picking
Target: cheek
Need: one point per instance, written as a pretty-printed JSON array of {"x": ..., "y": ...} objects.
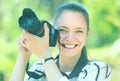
[
  {"x": 76, "y": 37},
  {"x": 62, "y": 37},
  {"x": 81, "y": 38}
]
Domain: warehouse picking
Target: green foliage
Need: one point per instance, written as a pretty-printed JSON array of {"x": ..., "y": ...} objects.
[{"x": 103, "y": 15}]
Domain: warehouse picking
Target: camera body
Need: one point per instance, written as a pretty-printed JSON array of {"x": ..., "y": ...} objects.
[{"x": 29, "y": 22}]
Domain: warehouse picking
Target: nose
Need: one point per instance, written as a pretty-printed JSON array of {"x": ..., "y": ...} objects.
[{"x": 70, "y": 36}]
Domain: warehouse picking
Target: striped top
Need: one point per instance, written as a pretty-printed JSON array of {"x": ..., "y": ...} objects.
[{"x": 92, "y": 71}]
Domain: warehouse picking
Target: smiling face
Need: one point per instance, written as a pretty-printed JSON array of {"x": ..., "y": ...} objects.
[{"x": 73, "y": 32}]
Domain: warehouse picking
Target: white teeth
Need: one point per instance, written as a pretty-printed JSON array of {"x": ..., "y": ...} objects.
[{"x": 69, "y": 46}]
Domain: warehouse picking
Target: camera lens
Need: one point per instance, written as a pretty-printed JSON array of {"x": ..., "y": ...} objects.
[{"x": 29, "y": 22}]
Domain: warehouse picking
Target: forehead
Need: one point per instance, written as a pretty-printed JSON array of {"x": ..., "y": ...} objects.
[{"x": 71, "y": 19}]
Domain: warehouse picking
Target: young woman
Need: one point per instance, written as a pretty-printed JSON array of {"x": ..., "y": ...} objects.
[{"x": 71, "y": 64}]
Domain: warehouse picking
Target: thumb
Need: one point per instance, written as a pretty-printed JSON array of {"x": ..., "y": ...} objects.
[{"x": 46, "y": 31}]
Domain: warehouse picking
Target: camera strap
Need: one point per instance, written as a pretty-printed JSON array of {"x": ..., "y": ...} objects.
[{"x": 75, "y": 72}]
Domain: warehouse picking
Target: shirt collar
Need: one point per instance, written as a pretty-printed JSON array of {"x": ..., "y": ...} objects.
[
  {"x": 78, "y": 67},
  {"x": 75, "y": 72}
]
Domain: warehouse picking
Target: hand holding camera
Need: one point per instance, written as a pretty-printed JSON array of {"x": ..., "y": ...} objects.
[
  {"x": 30, "y": 23},
  {"x": 37, "y": 45}
]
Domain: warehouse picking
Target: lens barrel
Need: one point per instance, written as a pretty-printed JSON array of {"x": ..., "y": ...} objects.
[{"x": 29, "y": 22}]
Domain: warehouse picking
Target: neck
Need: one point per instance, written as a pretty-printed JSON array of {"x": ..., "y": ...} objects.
[{"x": 67, "y": 64}]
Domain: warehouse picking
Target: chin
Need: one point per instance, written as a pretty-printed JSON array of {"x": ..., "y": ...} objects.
[{"x": 69, "y": 53}]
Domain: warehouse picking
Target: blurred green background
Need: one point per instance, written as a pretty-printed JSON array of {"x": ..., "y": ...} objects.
[{"x": 103, "y": 41}]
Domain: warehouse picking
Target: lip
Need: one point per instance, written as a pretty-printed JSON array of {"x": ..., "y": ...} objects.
[{"x": 69, "y": 46}]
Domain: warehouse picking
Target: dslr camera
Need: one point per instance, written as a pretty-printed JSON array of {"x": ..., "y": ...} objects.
[{"x": 30, "y": 22}]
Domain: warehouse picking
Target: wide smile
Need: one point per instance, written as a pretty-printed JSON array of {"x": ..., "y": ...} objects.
[{"x": 69, "y": 46}]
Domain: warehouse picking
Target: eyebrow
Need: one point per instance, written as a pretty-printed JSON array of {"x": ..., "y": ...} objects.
[
  {"x": 62, "y": 27},
  {"x": 81, "y": 28},
  {"x": 75, "y": 28}
]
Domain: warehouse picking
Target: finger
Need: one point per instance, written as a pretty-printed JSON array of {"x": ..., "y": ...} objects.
[
  {"x": 27, "y": 35},
  {"x": 22, "y": 45},
  {"x": 46, "y": 31},
  {"x": 28, "y": 38},
  {"x": 19, "y": 39},
  {"x": 23, "y": 42}
]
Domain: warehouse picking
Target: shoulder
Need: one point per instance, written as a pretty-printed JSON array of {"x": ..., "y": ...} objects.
[
  {"x": 96, "y": 65},
  {"x": 97, "y": 70}
]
